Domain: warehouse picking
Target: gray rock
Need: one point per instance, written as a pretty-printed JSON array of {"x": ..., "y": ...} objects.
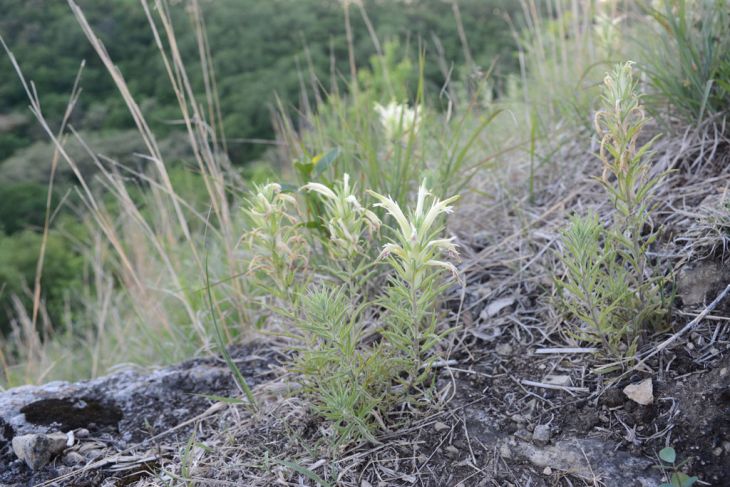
[
  {"x": 522, "y": 434},
  {"x": 73, "y": 458},
  {"x": 503, "y": 349},
  {"x": 541, "y": 435},
  {"x": 697, "y": 283},
  {"x": 36, "y": 450},
  {"x": 120, "y": 409}
]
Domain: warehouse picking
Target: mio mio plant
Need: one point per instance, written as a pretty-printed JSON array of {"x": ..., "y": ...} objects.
[{"x": 610, "y": 287}]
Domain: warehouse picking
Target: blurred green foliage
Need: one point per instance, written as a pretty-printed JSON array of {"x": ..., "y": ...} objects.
[
  {"x": 62, "y": 274},
  {"x": 259, "y": 49}
]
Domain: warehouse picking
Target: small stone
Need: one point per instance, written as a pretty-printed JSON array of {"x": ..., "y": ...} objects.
[
  {"x": 439, "y": 426},
  {"x": 496, "y": 306},
  {"x": 505, "y": 452},
  {"x": 523, "y": 434},
  {"x": 82, "y": 433},
  {"x": 726, "y": 446},
  {"x": 452, "y": 451},
  {"x": 723, "y": 372},
  {"x": 93, "y": 454},
  {"x": 717, "y": 451},
  {"x": 73, "y": 458},
  {"x": 640, "y": 392},
  {"x": 557, "y": 380},
  {"x": 518, "y": 418},
  {"x": 548, "y": 471},
  {"x": 37, "y": 449},
  {"x": 541, "y": 435},
  {"x": 504, "y": 349}
]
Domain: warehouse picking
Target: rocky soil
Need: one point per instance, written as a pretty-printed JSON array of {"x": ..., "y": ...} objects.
[
  {"x": 107, "y": 416},
  {"x": 118, "y": 429},
  {"x": 518, "y": 414}
]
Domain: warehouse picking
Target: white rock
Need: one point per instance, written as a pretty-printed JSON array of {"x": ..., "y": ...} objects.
[
  {"x": 541, "y": 435},
  {"x": 496, "y": 306},
  {"x": 504, "y": 349},
  {"x": 640, "y": 392},
  {"x": 557, "y": 380},
  {"x": 36, "y": 449}
]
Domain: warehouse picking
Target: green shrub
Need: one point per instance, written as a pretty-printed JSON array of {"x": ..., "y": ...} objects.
[
  {"x": 610, "y": 285},
  {"x": 321, "y": 280}
]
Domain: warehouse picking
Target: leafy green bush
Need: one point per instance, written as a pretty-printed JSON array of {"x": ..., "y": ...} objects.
[{"x": 610, "y": 285}]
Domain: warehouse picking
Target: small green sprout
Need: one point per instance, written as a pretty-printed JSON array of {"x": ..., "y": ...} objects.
[{"x": 668, "y": 457}]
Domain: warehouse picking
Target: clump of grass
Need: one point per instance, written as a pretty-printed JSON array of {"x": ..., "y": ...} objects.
[
  {"x": 687, "y": 57},
  {"x": 610, "y": 285}
]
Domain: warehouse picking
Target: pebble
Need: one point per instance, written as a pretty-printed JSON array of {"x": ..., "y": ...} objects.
[
  {"x": 523, "y": 434},
  {"x": 723, "y": 372},
  {"x": 717, "y": 451},
  {"x": 558, "y": 380},
  {"x": 82, "y": 433},
  {"x": 640, "y": 392},
  {"x": 505, "y": 452},
  {"x": 73, "y": 458},
  {"x": 548, "y": 471},
  {"x": 518, "y": 418},
  {"x": 504, "y": 349},
  {"x": 541, "y": 435},
  {"x": 439, "y": 426},
  {"x": 452, "y": 451}
]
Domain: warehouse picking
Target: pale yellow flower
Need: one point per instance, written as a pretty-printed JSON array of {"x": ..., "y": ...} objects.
[{"x": 397, "y": 119}]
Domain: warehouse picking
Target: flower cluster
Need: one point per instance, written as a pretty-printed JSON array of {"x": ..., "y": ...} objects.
[
  {"x": 277, "y": 247},
  {"x": 345, "y": 218},
  {"x": 397, "y": 119},
  {"x": 416, "y": 247}
]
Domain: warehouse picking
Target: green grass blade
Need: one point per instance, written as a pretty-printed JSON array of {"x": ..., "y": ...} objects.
[{"x": 238, "y": 377}]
